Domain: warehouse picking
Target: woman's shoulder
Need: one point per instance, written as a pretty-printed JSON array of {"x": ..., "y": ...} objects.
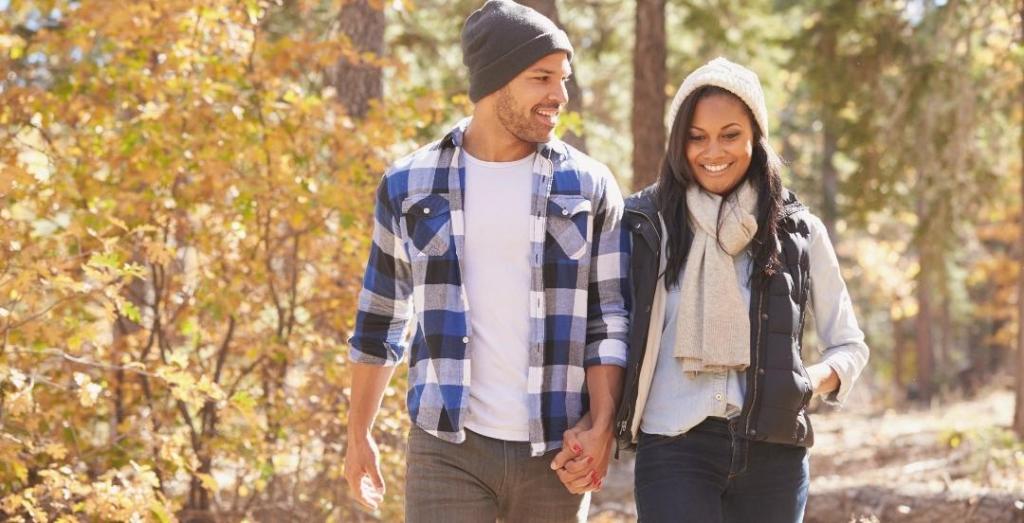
[
  {"x": 791, "y": 204},
  {"x": 642, "y": 200},
  {"x": 801, "y": 216}
]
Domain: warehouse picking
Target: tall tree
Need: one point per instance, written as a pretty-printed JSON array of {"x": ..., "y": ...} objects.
[
  {"x": 829, "y": 178},
  {"x": 357, "y": 79},
  {"x": 924, "y": 320},
  {"x": 649, "y": 80},
  {"x": 549, "y": 9},
  {"x": 1018, "y": 419},
  {"x": 831, "y": 102}
]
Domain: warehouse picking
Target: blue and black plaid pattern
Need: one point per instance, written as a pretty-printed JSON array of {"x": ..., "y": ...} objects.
[{"x": 577, "y": 306}]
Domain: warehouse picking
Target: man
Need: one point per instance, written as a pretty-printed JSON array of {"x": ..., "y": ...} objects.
[{"x": 507, "y": 243}]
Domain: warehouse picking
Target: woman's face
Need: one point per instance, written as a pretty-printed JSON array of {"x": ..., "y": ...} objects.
[{"x": 720, "y": 143}]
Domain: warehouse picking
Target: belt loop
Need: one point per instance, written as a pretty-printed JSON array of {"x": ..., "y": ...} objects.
[{"x": 740, "y": 450}]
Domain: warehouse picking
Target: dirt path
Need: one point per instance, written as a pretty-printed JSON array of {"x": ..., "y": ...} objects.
[{"x": 954, "y": 463}]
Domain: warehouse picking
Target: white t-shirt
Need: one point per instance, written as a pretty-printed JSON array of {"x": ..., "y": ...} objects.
[{"x": 496, "y": 265}]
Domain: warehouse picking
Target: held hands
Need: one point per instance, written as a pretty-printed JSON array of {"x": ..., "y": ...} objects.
[
  {"x": 582, "y": 463},
  {"x": 362, "y": 471}
]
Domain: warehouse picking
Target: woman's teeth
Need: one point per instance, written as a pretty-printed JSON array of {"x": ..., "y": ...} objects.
[{"x": 715, "y": 168}]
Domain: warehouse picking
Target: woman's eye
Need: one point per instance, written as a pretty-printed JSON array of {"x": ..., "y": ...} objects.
[
  {"x": 732, "y": 136},
  {"x": 696, "y": 138}
]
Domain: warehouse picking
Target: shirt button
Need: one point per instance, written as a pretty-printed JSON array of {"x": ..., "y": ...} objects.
[
  {"x": 752, "y": 432},
  {"x": 426, "y": 210},
  {"x": 760, "y": 371},
  {"x": 465, "y": 339},
  {"x": 718, "y": 397},
  {"x": 565, "y": 212},
  {"x": 764, "y": 316}
]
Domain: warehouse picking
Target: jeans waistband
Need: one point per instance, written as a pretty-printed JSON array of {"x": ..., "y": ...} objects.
[{"x": 713, "y": 425}]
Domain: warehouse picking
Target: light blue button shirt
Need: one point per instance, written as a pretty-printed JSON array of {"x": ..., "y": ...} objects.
[{"x": 680, "y": 400}]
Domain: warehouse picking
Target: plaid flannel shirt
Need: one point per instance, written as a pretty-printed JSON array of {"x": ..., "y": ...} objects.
[{"x": 577, "y": 312}]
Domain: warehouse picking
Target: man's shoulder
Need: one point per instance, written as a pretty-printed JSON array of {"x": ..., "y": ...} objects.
[
  {"x": 414, "y": 171},
  {"x": 426, "y": 157},
  {"x": 578, "y": 173},
  {"x": 572, "y": 158}
]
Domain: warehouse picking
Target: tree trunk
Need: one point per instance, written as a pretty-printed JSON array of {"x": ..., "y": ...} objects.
[
  {"x": 829, "y": 181},
  {"x": 1018, "y": 418},
  {"x": 356, "y": 82},
  {"x": 898, "y": 377},
  {"x": 922, "y": 386},
  {"x": 924, "y": 341},
  {"x": 649, "y": 79},
  {"x": 923, "y": 321},
  {"x": 945, "y": 336},
  {"x": 549, "y": 9}
]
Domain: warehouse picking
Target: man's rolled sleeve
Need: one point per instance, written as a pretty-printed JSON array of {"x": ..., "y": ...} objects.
[
  {"x": 607, "y": 318},
  {"x": 384, "y": 306}
]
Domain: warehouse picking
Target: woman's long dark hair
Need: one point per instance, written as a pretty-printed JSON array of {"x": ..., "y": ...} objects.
[{"x": 765, "y": 173}]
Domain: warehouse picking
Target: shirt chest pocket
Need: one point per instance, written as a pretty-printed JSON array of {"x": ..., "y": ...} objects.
[
  {"x": 568, "y": 225},
  {"x": 428, "y": 224}
]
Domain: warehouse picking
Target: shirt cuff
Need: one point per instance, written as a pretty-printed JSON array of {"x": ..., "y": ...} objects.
[
  {"x": 605, "y": 352},
  {"x": 846, "y": 370},
  {"x": 390, "y": 359}
]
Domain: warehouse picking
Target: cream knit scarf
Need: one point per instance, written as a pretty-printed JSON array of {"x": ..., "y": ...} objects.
[{"x": 712, "y": 325}]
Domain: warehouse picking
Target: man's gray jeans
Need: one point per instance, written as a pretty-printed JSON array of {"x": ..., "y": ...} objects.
[{"x": 484, "y": 480}]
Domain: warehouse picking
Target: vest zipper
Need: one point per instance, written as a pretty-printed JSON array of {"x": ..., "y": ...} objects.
[
  {"x": 657, "y": 230},
  {"x": 757, "y": 354},
  {"x": 626, "y": 420}
]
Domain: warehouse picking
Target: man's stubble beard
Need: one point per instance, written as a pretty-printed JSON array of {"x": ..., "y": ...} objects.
[{"x": 516, "y": 123}]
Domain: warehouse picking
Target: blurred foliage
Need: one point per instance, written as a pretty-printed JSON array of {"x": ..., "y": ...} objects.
[
  {"x": 185, "y": 212},
  {"x": 184, "y": 222}
]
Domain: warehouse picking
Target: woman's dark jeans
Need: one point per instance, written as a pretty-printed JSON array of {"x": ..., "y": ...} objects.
[{"x": 697, "y": 477}]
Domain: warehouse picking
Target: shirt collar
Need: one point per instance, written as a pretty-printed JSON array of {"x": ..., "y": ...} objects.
[{"x": 554, "y": 150}]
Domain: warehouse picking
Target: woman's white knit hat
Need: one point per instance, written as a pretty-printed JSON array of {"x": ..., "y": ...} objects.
[{"x": 729, "y": 76}]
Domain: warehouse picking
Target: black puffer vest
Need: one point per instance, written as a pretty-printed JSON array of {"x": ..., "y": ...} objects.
[{"x": 778, "y": 387}]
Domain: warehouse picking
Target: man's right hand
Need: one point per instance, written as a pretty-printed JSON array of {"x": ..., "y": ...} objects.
[
  {"x": 362, "y": 460},
  {"x": 362, "y": 471}
]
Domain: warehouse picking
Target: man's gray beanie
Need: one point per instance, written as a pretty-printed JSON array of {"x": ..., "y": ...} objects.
[{"x": 503, "y": 38}]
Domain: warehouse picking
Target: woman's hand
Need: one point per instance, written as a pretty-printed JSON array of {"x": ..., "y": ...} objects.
[
  {"x": 823, "y": 377},
  {"x": 583, "y": 461}
]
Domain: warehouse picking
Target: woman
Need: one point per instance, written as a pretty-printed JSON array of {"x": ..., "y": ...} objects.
[{"x": 723, "y": 263}]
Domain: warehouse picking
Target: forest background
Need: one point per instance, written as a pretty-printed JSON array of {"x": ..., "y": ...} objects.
[{"x": 186, "y": 193}]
